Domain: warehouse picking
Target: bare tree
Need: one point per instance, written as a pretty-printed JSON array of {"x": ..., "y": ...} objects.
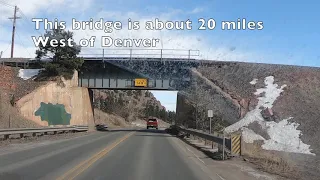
[{"x": 199, "y": 97}]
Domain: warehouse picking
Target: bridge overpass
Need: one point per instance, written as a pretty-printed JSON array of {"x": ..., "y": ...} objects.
[{"x": 150, "y": 69}]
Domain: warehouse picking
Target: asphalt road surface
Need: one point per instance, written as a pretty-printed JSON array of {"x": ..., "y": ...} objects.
[{"x": 119, "y": 154}]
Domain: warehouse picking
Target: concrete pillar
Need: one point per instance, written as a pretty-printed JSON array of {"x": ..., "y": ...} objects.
[{"x": 91, "y": 122}]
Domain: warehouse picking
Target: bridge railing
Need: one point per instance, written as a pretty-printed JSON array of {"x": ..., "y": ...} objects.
[{"x": 139, "y": 53}]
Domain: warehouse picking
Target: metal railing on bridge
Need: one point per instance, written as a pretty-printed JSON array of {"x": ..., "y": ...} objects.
[{"x": 132, "y": 54}]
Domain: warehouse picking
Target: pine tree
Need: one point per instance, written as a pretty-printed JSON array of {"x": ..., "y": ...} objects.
[{"x": 64, "y": 60}]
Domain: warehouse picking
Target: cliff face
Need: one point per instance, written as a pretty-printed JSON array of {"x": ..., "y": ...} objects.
[
  {"x": 275, "y": 107},
  {"x": 292, "y": 93}
]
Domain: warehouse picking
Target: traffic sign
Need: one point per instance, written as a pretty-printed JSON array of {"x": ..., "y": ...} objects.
[{"x": 210, "y": 113}]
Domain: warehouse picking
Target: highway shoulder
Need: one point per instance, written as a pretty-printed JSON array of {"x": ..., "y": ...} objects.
[{"x": 220, "y": 170}]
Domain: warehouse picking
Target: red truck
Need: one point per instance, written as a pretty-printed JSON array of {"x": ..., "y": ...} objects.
[{"x": 152, "y": 123}]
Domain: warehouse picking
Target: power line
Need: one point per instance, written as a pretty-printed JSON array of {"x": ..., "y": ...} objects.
[
  {"x": 20, "y": 39},
  {"x": 14, "y": 18},
  {"x": 7, "y": 48},
  {"x": 25, "y": 18},
  {"x": 23, "y": 45},
  {"x": 6, "y": 4}
]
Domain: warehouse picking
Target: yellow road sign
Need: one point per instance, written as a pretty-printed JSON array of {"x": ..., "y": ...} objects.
[{"x": 141, "y": 82}]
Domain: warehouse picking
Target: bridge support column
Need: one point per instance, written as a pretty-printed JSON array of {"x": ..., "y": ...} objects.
[{"x": 91, "y": 122}]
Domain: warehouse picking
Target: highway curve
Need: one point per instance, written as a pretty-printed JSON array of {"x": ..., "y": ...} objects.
[{"x": 118, "y": 154}]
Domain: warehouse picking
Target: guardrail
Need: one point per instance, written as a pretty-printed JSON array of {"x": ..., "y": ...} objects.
[
  {"x": 23, "y": 131},
  {"x": 232, "y": 143},
  {"x": 207, "y": 136}
]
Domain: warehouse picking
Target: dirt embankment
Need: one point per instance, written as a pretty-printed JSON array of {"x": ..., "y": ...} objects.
[
  {"x": 110, "y": 120},
  {"x": 12, "y": 88}
]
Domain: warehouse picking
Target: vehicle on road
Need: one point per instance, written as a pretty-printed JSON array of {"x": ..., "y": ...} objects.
[
  {"x": 152, "y": 123},
  {"x": 101, "y": 127}
]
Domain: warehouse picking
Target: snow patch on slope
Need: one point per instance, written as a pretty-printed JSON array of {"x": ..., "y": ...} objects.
[
  {"x": 284, "y": 135},
  {"x": 26, "y": 74},
  {"x": 254, "y": 81},
  {"x": 271, "y": 92}
]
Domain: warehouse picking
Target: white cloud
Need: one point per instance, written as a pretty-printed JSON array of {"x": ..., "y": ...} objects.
[
  {"x": 209, "y": 49},
  {"x": 26, "y": 74},
  {"x": 197, "y": 10},
  {"x": 169, "y": 39}
]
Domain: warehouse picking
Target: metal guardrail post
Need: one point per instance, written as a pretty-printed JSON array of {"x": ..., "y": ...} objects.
[{"x": 211, "y": 131}]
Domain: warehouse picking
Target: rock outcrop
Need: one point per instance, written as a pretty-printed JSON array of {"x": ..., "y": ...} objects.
[{"x": 276, "y": 107}]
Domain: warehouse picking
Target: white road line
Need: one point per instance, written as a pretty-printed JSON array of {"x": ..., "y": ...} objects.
[
  {"x": 204, "y": 164},
  {"x": 195, "y": 155},
  {"x": 220, "y": 176},
  {"x": 204, "y": 170}
]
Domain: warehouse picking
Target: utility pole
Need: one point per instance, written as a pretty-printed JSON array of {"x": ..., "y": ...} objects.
[
  {"x": 13, "y": 28},
  {"x": 1, "y": 54}
]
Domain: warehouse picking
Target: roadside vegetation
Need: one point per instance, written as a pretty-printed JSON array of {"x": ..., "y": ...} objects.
[
  {"x": 132, "y": 105},
  {"x": 60, "y": 61}
]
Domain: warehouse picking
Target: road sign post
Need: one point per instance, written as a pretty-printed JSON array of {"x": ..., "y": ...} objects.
[
  {"x": 223, "y": 144},
  {"x": 210, "y": 115}
]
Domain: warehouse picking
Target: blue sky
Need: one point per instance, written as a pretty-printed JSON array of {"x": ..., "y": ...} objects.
[
  {"x": 290, "y": 35},
  {"x": 167, "y": 98}
]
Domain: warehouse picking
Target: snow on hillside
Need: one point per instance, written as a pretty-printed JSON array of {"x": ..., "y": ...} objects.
[
  {"x": 254, "y": 81},
  {"x": 26, "y": 74},
  {"x": 284, "y": 135}
]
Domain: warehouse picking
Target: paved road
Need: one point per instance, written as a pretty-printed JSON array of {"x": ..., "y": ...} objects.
[{"x": 121, "y": 154}]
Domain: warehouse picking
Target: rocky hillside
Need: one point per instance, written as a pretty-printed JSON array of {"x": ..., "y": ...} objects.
[
  {"x": 131, "y": 104},
  {"x": 11, "y": 89},
  {"x": 275, "y": 107}
]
